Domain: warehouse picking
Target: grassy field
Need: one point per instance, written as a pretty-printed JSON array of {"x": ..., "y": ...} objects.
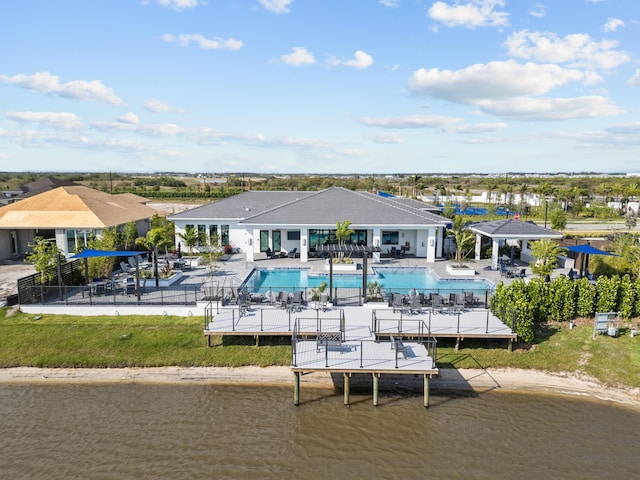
[{"x": 146, "y": 341}]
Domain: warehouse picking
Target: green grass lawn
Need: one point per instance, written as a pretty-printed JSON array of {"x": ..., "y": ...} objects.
[{"x": 145, "y": 341}]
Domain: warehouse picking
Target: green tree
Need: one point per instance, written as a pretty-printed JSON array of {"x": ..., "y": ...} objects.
[
  {"x": 190, "y": 237},
  {"x": 343, "y": 232},
  {"x": 44, "y": 257},
  {"x": 630, "y": 219},
  {"x": 546, "y": 252},
  {"x": 129, "y": 234},
  {"x": 558, "y": 219},
  {"x": 465, "y": 239},
  {"x": 101, "y": 267}
]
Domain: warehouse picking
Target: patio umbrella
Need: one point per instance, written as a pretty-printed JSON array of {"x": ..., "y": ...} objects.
[{"x": 587, "y": 250}]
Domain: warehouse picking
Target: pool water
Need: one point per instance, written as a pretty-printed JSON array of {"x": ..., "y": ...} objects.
[{"x": 399, "y": 279}]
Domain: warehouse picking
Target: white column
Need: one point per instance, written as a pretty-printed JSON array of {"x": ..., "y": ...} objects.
[
  {"x": 478, "y": 246},
  {"x": 439, "y": 241},
  {"x": 431, "y": 244},
  {"x": 495, "y": 248},
  {"x": 377, "y": 241},
  {"x": 304, "y": 245}
]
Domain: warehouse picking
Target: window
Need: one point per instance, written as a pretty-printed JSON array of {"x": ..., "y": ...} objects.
[
  {"x": 202, "y": 234},
  {"x": 390, "y": 237},
  {"x": 213, "y": 234},
  {"x": 293, "y": 235},
  {"x": 224, "y": 234}
]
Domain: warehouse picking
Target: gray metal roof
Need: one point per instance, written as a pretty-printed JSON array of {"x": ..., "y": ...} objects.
[
  {"x": 511, "y": 228},
  {"x": 241, "y": 206},
  {"x": 336, "y": 204}
]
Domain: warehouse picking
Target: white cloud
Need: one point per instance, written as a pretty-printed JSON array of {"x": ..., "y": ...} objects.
[
  {"x": 472, "y": 14},
  {"x": 361, "y": 60},
  {"x": 577, "y": 50},
  {"x": 204, "y": 43},
  {"x": 442, "y": 123},
  {"x": 60, "y": 120},
  {"x": 46, "y": 83},
  {"x": 635, "y": 80},
  {"x": 158, "y": 106},
  {"x": 411, "y": 121},
  {"x": 390, "y": 3},
  {"x": 613, "y": 24},
  {"x": 538, "y": 10},
  {"x": 387, "y": 137},
  {"x": 298, "y": 56},
  {"x": 130, "y": 118},
  {"x": 179, "y": 4},
  {"x": 153, "y": 130},
  {"x": 549, "y": 109},
  {"x": 492, "y": 81},
  {"x": 276, "y": 6}
]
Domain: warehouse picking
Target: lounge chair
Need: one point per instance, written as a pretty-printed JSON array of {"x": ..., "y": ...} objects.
[
  {"x": 296, "y": 301},
  {"x": 270, "y": 253},
  {"x": 397, "y": 302},
  {"x": 126, "y": 268},
  {"x": 324, "y": 300},
  {"x": 292, "y": 253},
  {"x": 415, "y": 304}
]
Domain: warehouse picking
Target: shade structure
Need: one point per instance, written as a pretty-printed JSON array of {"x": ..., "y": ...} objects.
[
  {"x": 587, "y": 250},
  {"x": 89, "y": 253}
]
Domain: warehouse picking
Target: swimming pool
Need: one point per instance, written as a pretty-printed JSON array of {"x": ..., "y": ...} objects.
[{"x": 391, "y": 279}]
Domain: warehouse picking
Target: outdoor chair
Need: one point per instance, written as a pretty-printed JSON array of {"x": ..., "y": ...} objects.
[
  {"x": 292, "y": 253},
  {"x": 415, "y": 305},
  {"x": 296, "y": 301},
  {"x": 324, "y": 300},
  {"x": 436, "y": 303},
  {"x": 282, "y": 299},
  {"x": 469, "y": 299},
  {"x": 130, "y": 286},
  {"x": 126, "y": 268},
  {"x": 397, "y": 302}
]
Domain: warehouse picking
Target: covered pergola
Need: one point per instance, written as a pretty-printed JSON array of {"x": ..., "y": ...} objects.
[
  {"x": 510, "y": 229},
  {"x": 363, "y": 250}
]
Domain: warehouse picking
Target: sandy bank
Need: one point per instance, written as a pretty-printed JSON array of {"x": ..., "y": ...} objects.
[{"x": 478, "y": 380}]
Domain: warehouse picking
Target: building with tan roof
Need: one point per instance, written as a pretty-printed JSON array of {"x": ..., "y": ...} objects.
[{"x": 68, "y": 214}]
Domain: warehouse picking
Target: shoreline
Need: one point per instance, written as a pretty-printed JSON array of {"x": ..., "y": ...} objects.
[{"x": 464, "y": 380}]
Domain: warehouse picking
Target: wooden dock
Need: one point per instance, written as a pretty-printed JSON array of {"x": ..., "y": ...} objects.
[{"x": 354, "y": 340}]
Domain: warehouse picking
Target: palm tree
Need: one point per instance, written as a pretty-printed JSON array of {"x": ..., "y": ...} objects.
[
  {"x": 343, "y": 231},
  {"x": 190, "y": 237},
  {"x": 465, "y": 239}
]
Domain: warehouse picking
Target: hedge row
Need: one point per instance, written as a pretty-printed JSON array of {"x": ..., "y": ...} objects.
[{"x": 562, "y": 300}]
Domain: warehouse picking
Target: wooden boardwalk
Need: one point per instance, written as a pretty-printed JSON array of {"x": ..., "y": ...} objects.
[{"x": 353, "y": 340}]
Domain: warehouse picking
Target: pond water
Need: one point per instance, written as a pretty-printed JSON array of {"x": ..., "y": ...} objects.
[{"x": 132, "y": 431}]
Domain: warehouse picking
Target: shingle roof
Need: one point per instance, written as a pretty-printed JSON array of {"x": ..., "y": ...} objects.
[
  {"x": 241, "y": 206},
  {"x": 511, "y": 228},
  {"x": 327, "y": 207},
  {"x": 75, "y": 207}
]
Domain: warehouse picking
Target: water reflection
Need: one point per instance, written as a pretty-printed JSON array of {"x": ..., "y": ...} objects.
[{"x": 200, "y": 431}]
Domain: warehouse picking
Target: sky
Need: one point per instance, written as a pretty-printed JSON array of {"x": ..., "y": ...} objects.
[{"x": 320, "y": 86}]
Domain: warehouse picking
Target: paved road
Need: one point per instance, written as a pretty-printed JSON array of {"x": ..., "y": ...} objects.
[{"x": 599, "y": 227}]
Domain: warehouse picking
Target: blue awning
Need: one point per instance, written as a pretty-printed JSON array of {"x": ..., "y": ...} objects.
[
  {"x": 89, "y": 253},
  {"x": 588, "y": 249}
]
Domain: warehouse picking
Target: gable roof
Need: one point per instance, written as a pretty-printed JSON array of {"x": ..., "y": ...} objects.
[
  {"x": 336, "y": 204},
  {"x": 75, "y": 207},
  {"x": 511, "y": 228}
]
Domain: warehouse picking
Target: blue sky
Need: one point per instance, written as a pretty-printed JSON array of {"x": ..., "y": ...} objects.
[{"x": 320, "y": 86}]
